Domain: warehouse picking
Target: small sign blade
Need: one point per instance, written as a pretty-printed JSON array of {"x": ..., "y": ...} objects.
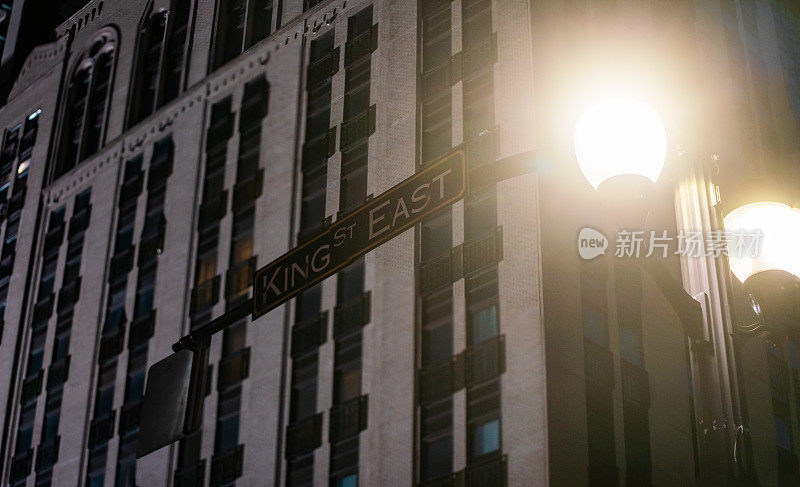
[{"x": 165, "y": 403}]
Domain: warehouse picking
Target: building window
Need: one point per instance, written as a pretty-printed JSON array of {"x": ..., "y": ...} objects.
[
  {"x": 486, "y": 438},
  {"x": 88, "y": 96},
  {"x": 234, "y": 339},
  {"x": 435, "y": 239},
  {"x": 594, "y": 325},
  {"x": 96, "y": 478},
  {"x": 28, "y": 140},
  {"x": 227, "y": 435},
  {"x": 630, "y": 345},
  {"x": 61, "y": 347},
  {"x": 50, "y": 428},
  {"x": 9, "y": 154},
  {"x": 347, "y": 362},
  {"x": 161, "y": 58},
  {"x": 307, "y": 4},
  {"x": 315, "y": 152},
  {"x": 142, "y": 328},
  {"x": 351, "y": 282},
  {"x": 484, "y": 324},
  {"x": 24, "y": 439},
  {"x": 349, "y": 481},
  {"x": 206, "y": 268},
  {"x": 437, "y": 331},
  {"x": 347, "y": 381},
  {"x": 240, "y": 25},
  {"x": 145, "y": 294},
  {"x": 437, "y": 457},
  {"x": 126, "y": 473},
  {"x": 105, "y": 394},
  {"x": 304, "y": 388}
]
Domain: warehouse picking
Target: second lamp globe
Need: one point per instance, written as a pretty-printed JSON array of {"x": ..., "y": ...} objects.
[
  {"x": 620, "y": 136},
  {"x": 770, "y": 270}
]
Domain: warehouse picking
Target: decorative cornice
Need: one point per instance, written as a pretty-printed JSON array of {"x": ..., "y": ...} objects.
[
  {"x": 80, "y": 177},
  {"x": 80, "y": 19}
]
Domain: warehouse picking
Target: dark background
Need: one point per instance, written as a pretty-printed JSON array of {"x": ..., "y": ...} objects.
[{"x": 39, "y": 21}]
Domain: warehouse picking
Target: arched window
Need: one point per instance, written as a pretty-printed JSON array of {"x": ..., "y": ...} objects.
[
  {"x": 159, "y": 72},
  {"x": 240, "y": 25},
  {"x": 88, "y": 96}
]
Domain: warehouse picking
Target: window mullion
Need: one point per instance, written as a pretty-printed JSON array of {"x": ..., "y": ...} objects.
[
  {"x": 162, "y": 59},
  {"x": 187, "y": 45},
  {"x": 86, "y": 104},
  {"x": 106, "y": 99},
  {"x": 247, "y": 28}
]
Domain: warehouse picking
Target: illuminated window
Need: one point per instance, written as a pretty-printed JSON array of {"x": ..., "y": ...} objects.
[
  {"x": 349, "y": 481},
  {"x": 486, "y": 438},
  {"x": 206, "y": 268},
  {"x": 348, "y": 384}
]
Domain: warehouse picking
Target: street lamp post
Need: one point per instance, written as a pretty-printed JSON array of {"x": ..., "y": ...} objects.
[
  {"x": 620, "y": 145},
  {"x": 771, "y": 278}
]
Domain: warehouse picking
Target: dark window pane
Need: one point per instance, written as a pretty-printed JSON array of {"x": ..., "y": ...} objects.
[
  {"x": 234, "y": 338},
  {"x": 437, "y": 344},
  {"x": 261, "y": 21},
  {"x": 351, "y": 282},
  {"x": 309, "y": 303},
  {"x": 484, "y": 324},
  {"x": 230, "y": 31},
  {"x": 437, "y": 235},
  {"x": 227, "y": 433},
  {"x": 437, "y": 457}
]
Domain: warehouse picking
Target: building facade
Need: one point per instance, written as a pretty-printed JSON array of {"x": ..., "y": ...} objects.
[{"x": 159, "y": 152}]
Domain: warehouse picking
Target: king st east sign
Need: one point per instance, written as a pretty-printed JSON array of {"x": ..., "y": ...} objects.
[{"x": 386, "y": 216}]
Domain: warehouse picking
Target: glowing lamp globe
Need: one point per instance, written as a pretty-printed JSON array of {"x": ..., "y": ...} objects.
[
  {"x": 620, "y": 136},
  {"x": 771, "y": 273},
  {"x": 779, "y": 226}
]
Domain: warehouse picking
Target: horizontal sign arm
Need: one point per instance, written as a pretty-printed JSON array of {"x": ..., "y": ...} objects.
[{"x": 202, "y": 335}]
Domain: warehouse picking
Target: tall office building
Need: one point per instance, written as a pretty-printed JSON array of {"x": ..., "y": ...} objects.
[{"x": 158, "y": 152}]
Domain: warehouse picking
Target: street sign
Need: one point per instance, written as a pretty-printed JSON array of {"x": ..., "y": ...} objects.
[
  {"x": 377, "y": 221},
  {"x": 172, "y": 406}
]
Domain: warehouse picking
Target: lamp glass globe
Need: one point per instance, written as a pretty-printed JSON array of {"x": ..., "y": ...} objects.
[
  {"x": 619, "y": 136},
  {"x": 774, "y": 227}
]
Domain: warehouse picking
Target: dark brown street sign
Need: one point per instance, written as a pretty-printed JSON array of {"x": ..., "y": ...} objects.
[{"x": 377, "y": 221}]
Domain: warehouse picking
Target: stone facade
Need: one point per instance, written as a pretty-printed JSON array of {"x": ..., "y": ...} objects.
[{"x": 543, "y": 366}]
